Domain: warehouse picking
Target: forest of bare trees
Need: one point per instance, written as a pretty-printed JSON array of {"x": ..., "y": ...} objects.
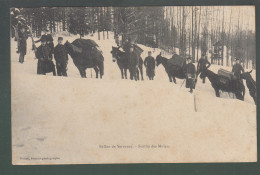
[{"x": 217, "y": 31}]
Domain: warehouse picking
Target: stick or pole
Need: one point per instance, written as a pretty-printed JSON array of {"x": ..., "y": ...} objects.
[
  {"x": 195, "y": 102},
  {"x": 183, "y": 82}
]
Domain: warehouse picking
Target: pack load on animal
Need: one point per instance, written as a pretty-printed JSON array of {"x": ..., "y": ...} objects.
[
  {"x": 225, "y": 76},
  {"x": 177, "y": 60},
  {"x": 86, "y": 47}
]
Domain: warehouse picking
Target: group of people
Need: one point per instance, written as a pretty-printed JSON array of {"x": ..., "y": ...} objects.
[{"x": 45, "y": 53}]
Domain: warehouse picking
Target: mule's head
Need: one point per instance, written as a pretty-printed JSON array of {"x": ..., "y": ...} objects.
[
  {"x": 114, "y": 52},
  {"x": 159, "y": 59},
  {"x": 246, "y": 75},
  {"x": 68, "y": 46}
]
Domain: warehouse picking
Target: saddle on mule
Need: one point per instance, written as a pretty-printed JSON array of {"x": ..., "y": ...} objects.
[
  {"x": 225, "y": 76},
  {"x": 177, "y": 60}
]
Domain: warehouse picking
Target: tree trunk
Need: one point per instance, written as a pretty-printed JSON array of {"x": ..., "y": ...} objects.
[
  {"x": 198, "y": 38},
  {"x": 222, "y": 52}
]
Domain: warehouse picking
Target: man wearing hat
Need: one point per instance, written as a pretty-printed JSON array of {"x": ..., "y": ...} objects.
[
  {"x": 133, "y": 63},
  {"x": 237, "y": 69},
  {"x": 49, "y": 40},
  {"x": 61, "y": 57},
  {"x": 127, "y": 45},
  {"x": 45, "y": 64},
  {"x": 22, "y": 46},
  {"x": 203, "y": 64},
  {"x": 190, "y": 75},
  {"x": 149, "y": 63}
]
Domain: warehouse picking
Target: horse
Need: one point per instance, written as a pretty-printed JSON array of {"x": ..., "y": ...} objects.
[
  {"x": 86, "y": 58},
  {"x": 234, "y": 86},
  {"x": 251, "y": 84},
  {"x": 121, "y": 58},
  {"x": 173, "y": 71}
]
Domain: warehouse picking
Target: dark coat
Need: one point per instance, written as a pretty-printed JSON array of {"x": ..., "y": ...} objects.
[
  {"x": 133, "y": 59},
  {"x": 190, "y": 70},
  {"x": 126, "y": 46},
  {"x": 45, "y": 64},
  {"x": 149, "y": 63},
  {"x": 60, "y": 54},
  {"x": 22, "y": 42},
  {"x": 49, "y": 40},
  {"x": 237, "y": 69},
  {"x": 190, "y": 76},
  {"x": 203, "y": 63}
]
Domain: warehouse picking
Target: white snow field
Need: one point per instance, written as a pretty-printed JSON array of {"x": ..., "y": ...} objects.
[{"x": 65, "y": 120}]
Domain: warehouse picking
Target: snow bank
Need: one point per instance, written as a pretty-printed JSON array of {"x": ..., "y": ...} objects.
[{"x": 52, "y": 115}]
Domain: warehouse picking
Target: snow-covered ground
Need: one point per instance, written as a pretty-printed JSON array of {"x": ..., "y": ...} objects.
[{"x": 69, "y": 117}]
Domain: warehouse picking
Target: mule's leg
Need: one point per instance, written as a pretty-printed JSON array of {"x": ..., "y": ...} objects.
[
  {"x": 170, "y": 77},
  {"x": 174, "y": 80},
  {"x": 125, "y": 73},
  {"x": 141, "y": 72},
  {"x": 96, "y": 70},
  {"x": 255, "y": 99},
  {"x": 82, "y": 73},
  {"x": 131, "y": 74},
  {"x": 137, "y": 74},
  {"x": 101, "y": 69},
  {"x": 217, "y": 92},
  {"x": 239, "y": 96},
  {"x": 122, "y": 73}
]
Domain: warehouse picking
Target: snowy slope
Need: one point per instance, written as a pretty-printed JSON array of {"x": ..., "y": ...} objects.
[{"x": 52, "y": 115}]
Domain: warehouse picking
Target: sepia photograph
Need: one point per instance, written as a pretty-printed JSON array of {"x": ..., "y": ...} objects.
[{"x": 148, "y": 84}]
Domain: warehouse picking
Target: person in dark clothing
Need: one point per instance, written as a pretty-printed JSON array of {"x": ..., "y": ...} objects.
[
  {"x": 133, "y": 63},
  {"x": 190, "y": 75},
  {"x": 61, "y": 57},
  {"x": 203, "y": 64},
  {"x": 22, "y": 37},
  {"x": 49, "y": 41},
  {"x": 127, "y": 45},
  {"x": 45, "y": 64},
  {"x": 149, "y": 63},
  {"x": 237, "y": 69}
]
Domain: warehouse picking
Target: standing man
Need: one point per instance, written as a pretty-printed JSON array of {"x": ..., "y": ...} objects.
[
  {"x": 49, "y": 40},
  {"x": 149, "y": 63},
  {"x": 22, "y": 46},
  {"x": 203, "y": 64},
  {"x": 237, "y": 70},
  {"x": 127, "y": 45},
  {"x": 190, "y": 75},
  {"x": 61, "y": 57},
  {"x": 133, "y": 63},
  {"x": 45, "y": 64}
]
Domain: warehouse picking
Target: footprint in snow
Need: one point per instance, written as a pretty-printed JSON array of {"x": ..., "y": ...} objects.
[
  {"x": 27, "y": 128},
  {"x": 41, "y": 139},
  {"x": 19, "y": 145}
]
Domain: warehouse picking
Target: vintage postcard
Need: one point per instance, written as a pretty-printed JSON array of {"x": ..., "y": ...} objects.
[{"x": 162, "y": 84}]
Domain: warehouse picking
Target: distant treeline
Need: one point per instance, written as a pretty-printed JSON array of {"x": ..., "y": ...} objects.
[{"x": 192, "y": 30}]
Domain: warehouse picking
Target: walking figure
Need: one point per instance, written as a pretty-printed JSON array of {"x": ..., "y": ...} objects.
[
  {"x": 49, "y": 41},
  {"x": 203, "y": 64},
  {"x": 190, "y": 75},
  {"x": 149, "y": 63},
  {"x": 45, "y": 64},
  {"x": 61, "y": 58},
  {"x": 22, "y": 45},
  {"x": 237, "y": 69}
]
